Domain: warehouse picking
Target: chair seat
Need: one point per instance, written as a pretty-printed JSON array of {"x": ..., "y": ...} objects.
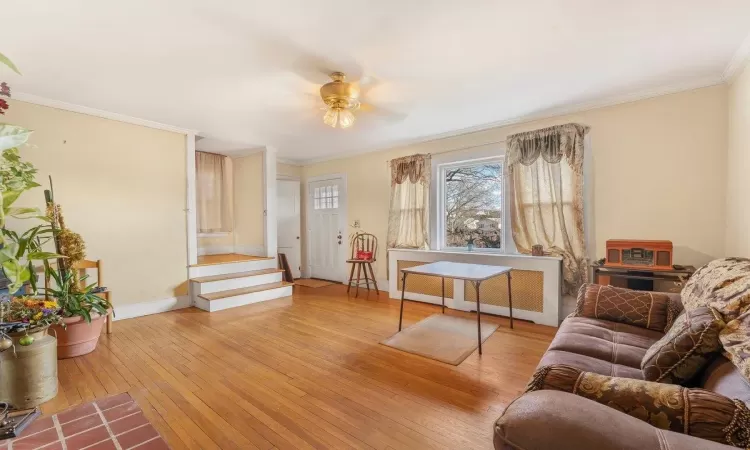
[{"x": 360, "y": 260}]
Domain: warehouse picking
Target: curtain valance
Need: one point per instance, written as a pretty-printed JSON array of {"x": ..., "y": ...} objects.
[
  {"x": 550, "y": 143},
  {"x": 414, "y": 168}
]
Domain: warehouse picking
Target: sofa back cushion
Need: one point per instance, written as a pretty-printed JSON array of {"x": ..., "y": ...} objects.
[
  {"x": 687, "y": 348},
  {"x": 651, "y": 310},
  {"x": 696, "y": 412}
]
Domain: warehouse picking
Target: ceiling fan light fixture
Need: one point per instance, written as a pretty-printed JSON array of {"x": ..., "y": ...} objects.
[{"x": 338, "y": 117}]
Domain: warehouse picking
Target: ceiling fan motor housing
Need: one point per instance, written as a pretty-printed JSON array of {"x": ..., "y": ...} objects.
[{"x": 339, "y": 93}]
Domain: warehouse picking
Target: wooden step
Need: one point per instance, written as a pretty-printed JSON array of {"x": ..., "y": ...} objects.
[
  {"x": 232, "y": 276},
  {"x": 249, "y": 290},
  {"x": 226, "y": 258}
]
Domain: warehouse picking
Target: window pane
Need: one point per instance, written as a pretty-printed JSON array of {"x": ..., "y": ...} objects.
[
  {"x": 473, "y": 205},
  {"x": 317, "y": 203},
  {"x": 335, "y": 202},
  {"x": 329, "y": 202},
  {"x": 317, "y": 193},
  {"x": 335, "y": 189}
]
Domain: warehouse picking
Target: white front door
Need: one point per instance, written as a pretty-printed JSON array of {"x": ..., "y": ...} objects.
[
  {"x": 326, "y": 229},
  {"x": 288, "y": 223}
]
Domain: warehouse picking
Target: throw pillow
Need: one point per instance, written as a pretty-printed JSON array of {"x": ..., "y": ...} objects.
[
  {"x": 691, "y": 343},
  {"x": 652, "y": 310},
  {"x": 724, "y": 285},
  {"x": 695, "y": 412}
]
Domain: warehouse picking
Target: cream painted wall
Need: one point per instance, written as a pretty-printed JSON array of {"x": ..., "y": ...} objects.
[
  {"x": 122, "y": 187},
  {"x": 289, "y": 170},
  {"x": 738, "y": 163},
  {"x": 659, "y": 172},
  {"x": 248, "y": 203}
]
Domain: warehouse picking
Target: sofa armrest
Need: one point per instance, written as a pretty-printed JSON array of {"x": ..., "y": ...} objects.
[{"x": 557, "y": 420}]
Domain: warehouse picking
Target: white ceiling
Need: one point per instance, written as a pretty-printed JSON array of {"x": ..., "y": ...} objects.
[{"x": 246, "y": 72}]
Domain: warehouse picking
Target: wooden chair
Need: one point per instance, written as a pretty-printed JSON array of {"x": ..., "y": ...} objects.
[
  {"x": 364, "y": 253},
  {"x": 81, "y": 267}
]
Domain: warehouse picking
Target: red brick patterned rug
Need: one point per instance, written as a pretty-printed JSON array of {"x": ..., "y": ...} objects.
[{"x": 112, "y": 423}]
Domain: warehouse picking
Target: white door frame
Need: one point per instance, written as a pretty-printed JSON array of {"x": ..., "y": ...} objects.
[{"x": 343, "y": 220}]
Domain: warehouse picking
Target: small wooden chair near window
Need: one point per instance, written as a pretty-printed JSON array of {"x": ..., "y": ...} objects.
[
  {"x": 364, "y": 253},
  {"x": 81, "y": 267}
]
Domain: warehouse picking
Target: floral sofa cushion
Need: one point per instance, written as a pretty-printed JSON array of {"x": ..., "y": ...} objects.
[
  {"x": 689, "y": 346},
  {"x": 724, "y": 285},
  {"x": 695, "y": 412},
  {"x": 651, "y": 310}
]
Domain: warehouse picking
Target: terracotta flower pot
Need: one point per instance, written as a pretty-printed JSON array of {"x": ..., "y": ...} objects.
[{"x": 80, "y": 337}]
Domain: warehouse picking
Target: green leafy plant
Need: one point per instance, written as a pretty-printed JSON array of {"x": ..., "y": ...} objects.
[{"x": 75, "y": 300}]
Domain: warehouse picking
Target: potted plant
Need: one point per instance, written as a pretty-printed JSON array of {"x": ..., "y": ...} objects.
[
  {"x": 83, "y": 312},
  {"x": 28, "y": 354}
]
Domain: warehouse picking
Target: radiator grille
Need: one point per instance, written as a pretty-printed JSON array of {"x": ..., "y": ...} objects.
[
  {"x": 528, "y": 291},
  {"x": 422, "y": 284}
]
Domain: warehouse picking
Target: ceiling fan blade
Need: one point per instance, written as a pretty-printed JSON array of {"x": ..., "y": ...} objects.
[{"x": 383, "y": 114}]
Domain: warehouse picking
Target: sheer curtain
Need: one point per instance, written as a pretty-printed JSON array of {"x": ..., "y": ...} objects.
[
  {"x": 213, "y": 194},
  {"x": 408, "y": 219},
  {"x": 545, "y": 169}
]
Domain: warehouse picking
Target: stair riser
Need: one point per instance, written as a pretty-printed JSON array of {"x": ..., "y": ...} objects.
[
  {"x": 244, "y": 299},
  {"x": 235, "y": 283},
  {"x": 224, "y": 269}
]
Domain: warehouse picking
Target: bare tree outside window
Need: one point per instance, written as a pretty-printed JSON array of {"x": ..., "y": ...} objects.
[{"x": 473, "y": 205}]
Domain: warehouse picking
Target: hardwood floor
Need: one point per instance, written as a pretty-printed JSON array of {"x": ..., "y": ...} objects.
[
  {"x": 303, "y": 372},
  {"x": 223, "y": 258}
]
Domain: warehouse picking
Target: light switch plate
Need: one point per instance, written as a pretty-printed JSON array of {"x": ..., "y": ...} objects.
[{"x": 356, "y": 223}]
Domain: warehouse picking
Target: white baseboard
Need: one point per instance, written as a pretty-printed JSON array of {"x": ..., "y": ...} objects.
[
  {"x": 254, "y": 250},
  {"x": 215, "y": 249},
  {"x": 154, "y": 307}
]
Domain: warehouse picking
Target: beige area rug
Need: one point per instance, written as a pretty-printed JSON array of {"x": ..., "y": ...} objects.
[
  {"x": 312, "y": 283},
  {"x": 444, "y": 338}
]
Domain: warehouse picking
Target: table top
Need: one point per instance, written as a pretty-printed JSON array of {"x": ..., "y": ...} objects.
[{"x": 459, "y": 271}]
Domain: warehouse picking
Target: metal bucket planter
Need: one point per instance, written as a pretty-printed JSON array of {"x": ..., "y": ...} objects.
[
  {"x": 79, "y": 338},
  {"x": 28, "y": 376}
]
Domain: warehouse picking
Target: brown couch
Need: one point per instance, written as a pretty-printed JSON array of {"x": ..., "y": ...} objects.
[{"x": 549, "y": 419}]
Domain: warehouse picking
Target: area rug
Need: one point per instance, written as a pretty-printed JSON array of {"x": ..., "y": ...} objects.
[
  {"x": 444, "y": 338},
  {"x": 312, "y": 283},
  {"x": 111, "y": 423}
]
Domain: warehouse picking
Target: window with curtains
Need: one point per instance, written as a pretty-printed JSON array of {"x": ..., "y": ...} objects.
[
  {"x": 471, "y": 204},
  {"x": 213, "y": 176}
]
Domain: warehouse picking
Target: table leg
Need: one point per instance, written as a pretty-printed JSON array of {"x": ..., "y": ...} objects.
[
  {"x": 477, "y": 285},
  {"x": 401, "y": 313},
  {"x": 510, "y": 301},
  {"x": 443, "y": 295}
]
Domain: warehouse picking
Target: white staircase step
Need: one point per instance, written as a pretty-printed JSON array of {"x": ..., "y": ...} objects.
[
  {"x": 226, "y": 282},
  {"x": 244, "y": 296},
  {"x": 208, "y": 270}
]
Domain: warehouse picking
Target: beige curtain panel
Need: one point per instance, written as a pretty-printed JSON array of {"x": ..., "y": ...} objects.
[
  {"x": 545, "y": 172},
  {"x": 213, "y": 193},
  {"x": 408, "y": 219}
]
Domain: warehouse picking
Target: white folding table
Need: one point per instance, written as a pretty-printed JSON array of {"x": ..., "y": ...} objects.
[{"x": 475, "y": 273}]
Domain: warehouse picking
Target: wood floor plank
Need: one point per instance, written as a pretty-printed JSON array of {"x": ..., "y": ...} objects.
[{"x": 303, "y": 372}]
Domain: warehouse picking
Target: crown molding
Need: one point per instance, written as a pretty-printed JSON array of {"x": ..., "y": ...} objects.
[
  {"x": 541, "y": 115},
  {"x": 738, "y": 62},
  {"x": 57, "y": 104},
  {"x": 291, "y": 162}
]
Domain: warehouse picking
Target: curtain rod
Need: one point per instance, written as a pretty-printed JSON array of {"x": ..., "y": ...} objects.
[
  {"x": 461, "y": 148},
  {"x": 211, "y": 153}
]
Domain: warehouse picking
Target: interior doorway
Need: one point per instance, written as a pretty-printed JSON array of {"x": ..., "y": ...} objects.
[
  {"x": 327, "y": 238},
  {"x": 288, "y": 223}
]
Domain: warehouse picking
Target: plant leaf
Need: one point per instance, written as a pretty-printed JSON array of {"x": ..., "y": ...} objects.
[
  {"x": 38, "y": 256},
  {"x": 5, "y": 60},
  {"x": 12, "y": 136}
]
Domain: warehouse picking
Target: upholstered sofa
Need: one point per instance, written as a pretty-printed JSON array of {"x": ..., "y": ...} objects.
[{"x": 551, "y": 419}]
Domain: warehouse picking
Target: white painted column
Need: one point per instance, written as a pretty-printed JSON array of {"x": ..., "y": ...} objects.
[
  {"x": 190, "y": 207},
  {"x": 270, "y": 238}
]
